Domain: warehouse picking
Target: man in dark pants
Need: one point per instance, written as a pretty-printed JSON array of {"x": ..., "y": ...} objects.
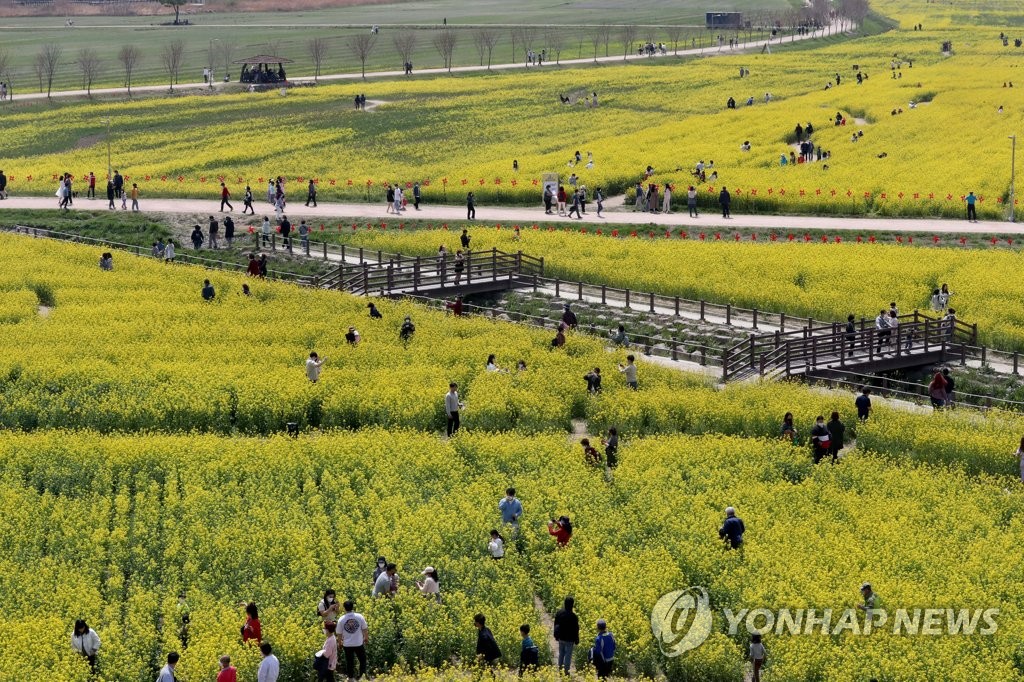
[
  {"x": 311, "y": 193},
  {"x": 452, "y": 407},
  {"x": 470, "y": 207},
  {"x": 464, "y": 237},
  {"x": 286, "y": 229},
  {"x": 3, "y": 185},
  {"x": 416, "y": 195},
  {"x": 972, "y": 216},
  {"x": 354, "y": 634},
  {"x": 724, "y": 199},
  {"x": 118, "y": 184}
]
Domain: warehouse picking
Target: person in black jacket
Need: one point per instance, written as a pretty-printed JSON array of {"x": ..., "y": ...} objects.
[
  {"x": 567, "y": 632},
  {"x": 487, "y": 651},
  {"x": 837, "y": 430},
  {"x": 110, "y": 195},
  {"x": 724, "y": 199},
  {"x": 529, "y": 653}
]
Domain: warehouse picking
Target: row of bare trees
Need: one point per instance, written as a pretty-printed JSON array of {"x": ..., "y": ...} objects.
[{"x": 50, "y": 57}]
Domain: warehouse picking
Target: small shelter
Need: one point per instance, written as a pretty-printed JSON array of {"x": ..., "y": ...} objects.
[{"x": 260, "y": 69}]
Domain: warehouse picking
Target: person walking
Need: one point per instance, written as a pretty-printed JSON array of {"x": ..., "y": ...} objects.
[
  {"x": 271, "y": 192},
  {"x": 575, "y": 205},
  {"x": 227, "y": 672},
  {"x": 263, "y": 265},
  {"x": 286, "y": 230},
  {"x": 229, "y": 230},
  {"x": 91, "y": 193},
  {"x": 560, "y": 199},
  {"x": 837, "y": 433},
  {"x": 225, "y": 195},
  {"x": 666, "y": 199},
  {"x": 549, "y": 198},
  {"x": 950, "y": 387},
  {"x": 247, "y": 202},
  {"x": 566, "y": 633},
  {"x": 214, "y": 231},
  {"x": 208, "y": 293},
  {"x": 135, "y": 197},
  {"x": 169, "y": 252},
  {"x": 972, "y": 215},
  {"x": 416, "y": 195},
  {"x": 821, "y": 439},
  {"x": 883, "y": 331},
  {"x": 691, "y": 201},
  {"x": 510, "y": 507},
  {"x": 406, "y": 331},
  {"x": 167, "y": 672},
  {"x": 389, "y": 197},
  {"x": 270, "y": 667},
  {"x": 118, "y": 180},
  {"x": 311, "y": 193},
  {"x": 863, "y": 403},
  {"x": 458, "y": 266},
  {"x": 85, "y": 642},
  {"x": 599, "y": 201},
  {"x": 757, "y": 656},
  {"x": 3, "y": 185},
  {"x": 265, "y": 231},
  {"x": 487, "y": 651},
  {"x": 304, "y": 236},
  {"x": 724, "y": 199},
  {"x": 602, "y": 654},
  {"x": 629, "y": 371},
  {"x": 355, "y": 635},
  {"x": 611, "y": 447},
  {"x": 470, "y": 207},
  {"x": 529, "y": 654},
  {"x": 110, "y": 196},
  {"x": 452, "y": 405},
  {"x": 313, "y": 367},
  {"x": 731, "y": 532},
  {"x": 851, "y": 332}
]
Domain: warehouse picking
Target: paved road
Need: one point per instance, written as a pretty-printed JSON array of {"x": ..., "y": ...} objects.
[
  {"x": 709, "y": 51},
  {"x": 707, "y": 222}
]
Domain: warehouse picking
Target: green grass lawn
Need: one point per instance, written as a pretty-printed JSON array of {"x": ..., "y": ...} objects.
[{"x": 287, "y": 34}]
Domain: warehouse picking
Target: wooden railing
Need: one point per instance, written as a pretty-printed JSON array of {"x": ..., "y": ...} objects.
[
  {"x": 805, "y": 349},
  {"x": 402, "y": 274}
]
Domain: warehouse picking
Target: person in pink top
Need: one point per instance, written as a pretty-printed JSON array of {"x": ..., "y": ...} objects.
[{"x": 330, "y": 653}]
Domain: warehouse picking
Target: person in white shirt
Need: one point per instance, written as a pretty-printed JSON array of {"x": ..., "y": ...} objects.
[
  {"x": 270, "y": 667},
  {"x": 629, "y": 369},
  {"x": 757, "y": 655},
  {"x": 86, "y": 642},
  {"x": 496, "y": 546},
  {"x": 354, "y": 636},
  {"x": 167, "y": 672},
  {"x": 430, "y": 585},
  {"x": 313, "y": 366}
]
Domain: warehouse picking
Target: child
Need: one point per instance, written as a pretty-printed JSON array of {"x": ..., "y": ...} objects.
[
  {"x": 757, "y": 655},
  {"x": 124, "y": 201},
  {"x": 590, "y": 455},
  {"x": 529, "y": 655}
]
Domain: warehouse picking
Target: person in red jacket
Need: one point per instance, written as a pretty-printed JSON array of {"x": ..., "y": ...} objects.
[
  {"x": 561, "y": 529},
  {"x": 228, "y": 672},
  {"x": 225, "y": 194},
  {"x": 253, "y": 270},
  {"x": 252, "y": 630},
  {"x": 562, "y": 197}
]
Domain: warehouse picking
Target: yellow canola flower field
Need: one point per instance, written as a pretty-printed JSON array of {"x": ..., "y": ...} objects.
[
  {"x": 461, "y": 134},
  {"x": 138, "y": 349},
  {"x": 110, "y": 528}
]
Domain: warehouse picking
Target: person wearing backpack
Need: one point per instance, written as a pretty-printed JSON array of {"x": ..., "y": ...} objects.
[
  {"x": 567, "y": 633},
  {"x": 529, "y": 654},
  {"x": 602, "y": 654}
]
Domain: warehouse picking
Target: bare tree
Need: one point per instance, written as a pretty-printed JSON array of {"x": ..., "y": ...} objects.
[
  {"x": 273, "y": 47},
  {"x": 478, "y": 43},
  {"x": 227, "y": 54},
  {"x": 361, "y": 45},
  {"x": 40, "y": 69},
  {"x": 129, "y": 56},
  {"x": 445, "y": 41},
  {"x": 516, "y": 37},
  {"x": 674, "y": 34},
  {"x": 5, "y": 62},
  {"x": 89, "y": 63},
  {"x": 595, "y": 40},
  {"x": 555, "y": 41},
  {"x": 489, "y": 37},
  {"x": 605, "y": 31},
  {"x": 171, "y": 56},
  {"x": 405, "y": 45},
  {"x": 628, "y": 36},
  {"x": 317, "y": 53},
  {"x": 529, "y": 34},
  {"x": 49, "y": 61}
]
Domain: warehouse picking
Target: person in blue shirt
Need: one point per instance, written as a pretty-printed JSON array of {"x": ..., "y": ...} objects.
[
  {"x": 863, "y": 403},
  {"x": 732, "y": 529},
  {"x": 602, "y": 655},
  {"x": 529, "y": 655},
  {"x": 972, "y": 216},
  {"x": 511, "y": 508}
]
